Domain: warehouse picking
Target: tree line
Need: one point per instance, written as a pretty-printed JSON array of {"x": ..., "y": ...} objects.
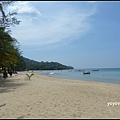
[{"x": 28, "y": 64}]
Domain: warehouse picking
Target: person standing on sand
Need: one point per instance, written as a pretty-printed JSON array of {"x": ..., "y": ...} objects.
[
  {"x": 10, "y": 73},
  {"x": 4, "y": 74}
]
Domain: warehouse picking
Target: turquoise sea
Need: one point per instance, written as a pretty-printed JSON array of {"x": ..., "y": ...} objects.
[{"x": 108, "y": 75}]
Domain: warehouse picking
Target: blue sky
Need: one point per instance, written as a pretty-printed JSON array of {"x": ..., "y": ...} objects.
[{"x": 79, "y": 34}]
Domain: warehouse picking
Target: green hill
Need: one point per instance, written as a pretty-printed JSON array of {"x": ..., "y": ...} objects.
[{"x": 28, "y": 64}]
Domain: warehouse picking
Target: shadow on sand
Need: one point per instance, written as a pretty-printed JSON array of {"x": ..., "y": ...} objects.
[
  {"x": 2, "y": 105},
  {"x": 7, "y": 85}
]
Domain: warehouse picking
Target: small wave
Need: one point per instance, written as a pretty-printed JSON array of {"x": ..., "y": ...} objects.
[{"x": 51, "y": 73}]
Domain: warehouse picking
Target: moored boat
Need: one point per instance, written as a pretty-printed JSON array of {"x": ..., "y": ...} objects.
[
  {"x": 95, "y": 70},
  {"x": 86, "y": 72}
]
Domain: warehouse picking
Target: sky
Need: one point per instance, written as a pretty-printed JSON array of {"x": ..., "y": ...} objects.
[{"x": 82, "y": 34}]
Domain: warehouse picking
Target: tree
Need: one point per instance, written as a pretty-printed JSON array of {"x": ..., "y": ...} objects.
[
  {"x": 9, "y": 51},
  {"x": 21, "y": 66},
  {"x": 7, "y": 20}
]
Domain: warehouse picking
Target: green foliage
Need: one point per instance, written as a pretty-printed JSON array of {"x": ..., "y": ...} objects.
[
  {"x": 27, "y": 64},
  {"x": 9, "y": 51},
  {"x": 34, "y": 65},
  {"x": 21, "y": 66},
  {"x": 29, "y": 76}
]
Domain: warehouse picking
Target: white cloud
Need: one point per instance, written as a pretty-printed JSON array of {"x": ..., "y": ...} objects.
[
  {"x": 55, "y": 26},
  {"x": 24, "y": 10}
]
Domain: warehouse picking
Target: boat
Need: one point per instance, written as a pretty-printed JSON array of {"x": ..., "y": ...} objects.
[
  {"x": 80, "y": 70},
  {"x": 86, "y": 72},
  {"x": 95, "y": 70}
]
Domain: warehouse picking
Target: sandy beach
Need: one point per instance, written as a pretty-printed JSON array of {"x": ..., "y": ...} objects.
[{"x": 48, "y": 97}]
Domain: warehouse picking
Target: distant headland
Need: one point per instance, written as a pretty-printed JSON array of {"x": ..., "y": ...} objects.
[{"x": 28, "y": 64}]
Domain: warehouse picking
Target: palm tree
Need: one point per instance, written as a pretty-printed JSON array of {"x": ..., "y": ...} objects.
[
  {"x": 7, "y": 43},
  {"x": 9, "y": 52}
]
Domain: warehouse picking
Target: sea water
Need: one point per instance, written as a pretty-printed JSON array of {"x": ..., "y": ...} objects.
[{"x": 108, "y": 75}]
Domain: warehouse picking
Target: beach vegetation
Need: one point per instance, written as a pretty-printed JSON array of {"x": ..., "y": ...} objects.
[
  {"x": 9, "y": 46},
  {"x": 29, "y": 76},
  {"x": 35, "y": 65}
]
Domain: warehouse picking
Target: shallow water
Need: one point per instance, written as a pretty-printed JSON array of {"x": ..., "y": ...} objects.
[{"x": 108, "y": 75}]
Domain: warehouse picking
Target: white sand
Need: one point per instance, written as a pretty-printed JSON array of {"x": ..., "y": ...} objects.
[{"x": 48, "y": 97}]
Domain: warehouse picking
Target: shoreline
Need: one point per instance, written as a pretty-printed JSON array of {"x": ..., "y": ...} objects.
[
  {"x": 51, "y": 97},
  {"x": 77, "y": 79}
]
